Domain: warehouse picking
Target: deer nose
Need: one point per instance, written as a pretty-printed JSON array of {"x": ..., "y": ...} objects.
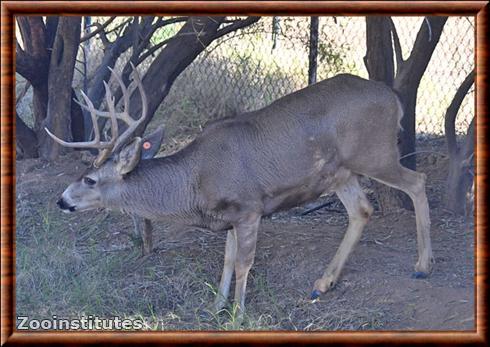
[
  {"x": 65, "y": 206},
  {"x": 62, "y": 204}
]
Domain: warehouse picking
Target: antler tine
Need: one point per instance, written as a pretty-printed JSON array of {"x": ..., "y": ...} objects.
[
  {"x": 95, "y": 143},
  {"x": 89, "y": 106},
  {"x": 86, "y": 144},
  {"x": 133, "y": 124},
  {"x": 103, "y": 155},
  {"x": 112, "y": 111},
  {"x": 144, "y": 100},
  {"x": 124, "y": 90},
  {"x": 108, "y": 147},
  {"x": 99, "y": 113}
]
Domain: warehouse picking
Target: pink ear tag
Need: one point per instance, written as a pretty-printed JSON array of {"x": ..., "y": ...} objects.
[{"x": 146, "y": 145}]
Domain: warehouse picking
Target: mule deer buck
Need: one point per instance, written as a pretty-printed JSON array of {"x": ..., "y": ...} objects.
[{"x": 314, "y": 141}]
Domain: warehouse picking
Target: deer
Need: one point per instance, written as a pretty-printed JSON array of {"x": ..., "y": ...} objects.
[{"x": 318, "y": 140}]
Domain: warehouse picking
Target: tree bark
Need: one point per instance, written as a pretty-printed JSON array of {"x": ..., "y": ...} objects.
[
  {"x": 26, "y": 139},
  {"x": 405, "y": 81},
  {"x": 60, "y": 79},
  {"x": 460, "y": 178},
  {"x": 32, "y": 62},
  {"x": 47, "y": 60},
  {"x": 193, "y": 38},
  {"x": 313, "y": 50},
  {"x": 380, "y": 65},
  {"x": 379, "y": 52},
  {"x": 76, "y": 120}
]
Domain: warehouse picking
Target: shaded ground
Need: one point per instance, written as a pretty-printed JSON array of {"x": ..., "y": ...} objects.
[{"x": 90, "y": 264}]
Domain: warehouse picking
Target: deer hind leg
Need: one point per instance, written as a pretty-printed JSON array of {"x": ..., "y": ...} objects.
[
  {"x": 413, "y": 183},
  {"x": 359, "y": 210},
  {"x": 228, "y": 268}
]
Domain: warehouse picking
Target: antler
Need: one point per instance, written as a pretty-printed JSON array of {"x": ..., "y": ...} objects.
[{"x": 117, "y": 141}]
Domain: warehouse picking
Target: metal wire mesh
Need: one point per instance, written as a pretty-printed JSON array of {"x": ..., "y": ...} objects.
[{"x": 249, "y": 69}]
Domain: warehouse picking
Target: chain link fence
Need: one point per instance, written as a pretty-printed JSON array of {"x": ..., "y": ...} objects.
[{"x": 251, "y": 68}]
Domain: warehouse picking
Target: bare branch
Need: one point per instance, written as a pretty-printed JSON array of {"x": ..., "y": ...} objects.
[
  {"x": 396, "y": 46},
  {"x": 25, "y": 32},
  {"x": 99, "y": 27},
  {"x": 152, "y": 50},
  {"x": 469, "y": 146},
  {"x": 27, "y": 66},
  {"x": 236, "y": 25},
  {"x": 18, "y": 48},
  {"x": 159, "y": 24},
  {"x": 431, "y": 28},
  {"x": 102, "y": 35},
  {"x": 452, "y": 112},
  {"x": 419, "y": 152},
  {"x": 127, "y": 21}
]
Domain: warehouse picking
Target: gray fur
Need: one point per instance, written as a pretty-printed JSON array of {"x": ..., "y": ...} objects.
[{"x": 308, "y": 143}]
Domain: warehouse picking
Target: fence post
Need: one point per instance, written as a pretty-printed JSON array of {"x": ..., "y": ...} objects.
[{"x": 313, "y": 53}]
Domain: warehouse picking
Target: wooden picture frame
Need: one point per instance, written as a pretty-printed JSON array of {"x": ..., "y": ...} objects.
[{"x": 479, "y": 9}]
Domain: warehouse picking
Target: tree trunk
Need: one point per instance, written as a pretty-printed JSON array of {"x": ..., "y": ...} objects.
[
  {"x": 196, "y": 34},
  {"x": 32, "y": 62},
  {"x": 379, "y": 52},
  {"x": 26, "y": 139},
  {"x": 193, "y": 38},
  {"x": 47, "y": 60},
  {"x": 313, "y": 51},
  {"x": 380, "y": 65},
  {"x": 407, "y": 81},
  {"x": 460, "y": 178},
  {"x": 60, "y": 79},
  {"x": 76, "y": 120}
]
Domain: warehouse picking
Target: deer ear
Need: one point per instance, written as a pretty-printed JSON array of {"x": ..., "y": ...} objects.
[
  {"x": 152, "y": 143},
  {"x": 129, "y": 156}
]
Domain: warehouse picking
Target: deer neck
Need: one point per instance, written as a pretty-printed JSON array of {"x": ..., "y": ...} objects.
[{"x": 157, "y": 189}]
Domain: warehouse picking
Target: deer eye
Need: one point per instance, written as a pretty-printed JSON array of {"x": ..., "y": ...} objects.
[{"x": 88, "y": 181}]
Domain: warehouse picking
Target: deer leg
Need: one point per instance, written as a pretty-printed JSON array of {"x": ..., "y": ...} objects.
[
  {"x": 413, "y": 183},
  {"x": 246, "y": 235},
  {"x": 147, "y": 236},
  {"x": 144, "y": 230},
  {"x": 228, "y": 268},
  {"x": 359, "y": 210}
]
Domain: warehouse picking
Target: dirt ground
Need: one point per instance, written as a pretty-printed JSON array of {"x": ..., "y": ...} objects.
[{"x": 75, "y": 265}]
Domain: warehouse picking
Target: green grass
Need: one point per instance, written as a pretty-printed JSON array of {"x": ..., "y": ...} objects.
[
  {"x": 69, "y": 273},
  {"x": 75, "y": 266}
]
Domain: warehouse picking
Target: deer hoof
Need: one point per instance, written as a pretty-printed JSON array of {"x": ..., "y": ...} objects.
[
  {"x": 420, "y": 275},
  {"x": 315, "y": 294},
  {"x": 324, "y": 284}
]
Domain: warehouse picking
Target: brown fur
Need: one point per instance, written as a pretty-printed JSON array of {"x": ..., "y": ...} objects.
[{"x": 308, "y": 143}]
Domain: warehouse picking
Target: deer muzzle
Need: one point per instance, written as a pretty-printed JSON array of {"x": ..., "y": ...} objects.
[{"x": 65, "y": 206}]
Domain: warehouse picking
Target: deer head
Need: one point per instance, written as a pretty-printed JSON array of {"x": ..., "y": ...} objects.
[{"x": 117, "y": 156}]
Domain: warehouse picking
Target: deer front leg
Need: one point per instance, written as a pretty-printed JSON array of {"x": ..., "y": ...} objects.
[
  {"x": 228, "y": 268},
  {"x": 359, "y": 210},
  {"x": 246, "y": 235},
  {"x": 144, "y": 229},
  {"x": 147, "y": 237}
]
